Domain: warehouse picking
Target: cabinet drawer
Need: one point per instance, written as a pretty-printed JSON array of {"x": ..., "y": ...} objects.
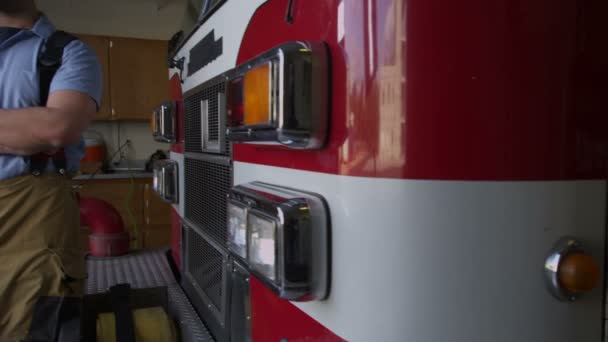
[{"x": 157, "y": 236}]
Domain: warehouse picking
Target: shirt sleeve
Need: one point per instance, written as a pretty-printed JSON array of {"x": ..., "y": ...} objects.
[{"x": 80, "y": 71}]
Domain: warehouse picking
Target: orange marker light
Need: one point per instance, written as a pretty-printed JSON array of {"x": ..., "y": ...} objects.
[
  {"x": 257, "y": 95},
  {"x": 579, "y": 273}
]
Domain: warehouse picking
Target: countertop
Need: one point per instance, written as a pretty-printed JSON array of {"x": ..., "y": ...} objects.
[{"x": 115, "y": 175}]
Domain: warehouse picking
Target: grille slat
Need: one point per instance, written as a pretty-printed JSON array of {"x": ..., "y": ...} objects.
[
  {"x": 207, "y": 185},
  {"x": 213, "y": 122},
  {"x": 192, "y": 118},
  {"x": 205, "y": 266}
]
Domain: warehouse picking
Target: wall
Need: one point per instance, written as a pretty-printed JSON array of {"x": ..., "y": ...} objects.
[
  {"x": 124, "y": 18},
  {"x": 116, "y": 133}
]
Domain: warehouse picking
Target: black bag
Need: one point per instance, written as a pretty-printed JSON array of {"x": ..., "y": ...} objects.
[{"x": 56, "y": 319}]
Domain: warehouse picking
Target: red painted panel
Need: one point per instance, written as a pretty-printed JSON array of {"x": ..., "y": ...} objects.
[
  {"x": 274, "y": 319},
  {"x": 268, "y": 29},
  {"x": 177, "y": 148},
  {"x": 176, "y": 238},
  {"x": 473, "y": 90},
  {"x": 175, "y": 91}
]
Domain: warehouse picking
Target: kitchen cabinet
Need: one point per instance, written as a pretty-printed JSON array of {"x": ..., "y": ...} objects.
[
  {"x": 157, "y": 217},
  {"x": 138, "y": 77},
  {"x": 134, "y": 76},
  {"x": 150, "y": 215},
  {"x": 100, "y": 46}
]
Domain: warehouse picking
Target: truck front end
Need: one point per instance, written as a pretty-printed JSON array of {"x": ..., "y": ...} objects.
[{"x": 388, "y": 170}]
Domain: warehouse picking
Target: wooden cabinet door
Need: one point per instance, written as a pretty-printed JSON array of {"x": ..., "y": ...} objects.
[
  {"x": 138, "y": 75},
  {"x": 101, "y": 46},
  {"x": 157, "y": 217},
  {"x": 156, "y": 236}
]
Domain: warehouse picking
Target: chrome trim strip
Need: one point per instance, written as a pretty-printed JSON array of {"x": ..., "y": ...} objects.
[
  {"x": 204, "y": 124},
  {"x": 165, "y": 122},
  {"x": 560, "y": 250}
]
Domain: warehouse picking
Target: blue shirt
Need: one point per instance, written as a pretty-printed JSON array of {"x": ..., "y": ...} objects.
[{"x": 19, "y": 84}]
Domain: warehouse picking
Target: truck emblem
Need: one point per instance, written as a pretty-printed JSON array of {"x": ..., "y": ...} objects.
[{"x": 205, "y": 52}]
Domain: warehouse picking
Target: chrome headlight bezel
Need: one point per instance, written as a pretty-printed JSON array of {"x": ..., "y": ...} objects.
[
  {"x": 165, "y": 180},
  {"x": 300, "y": 240}
]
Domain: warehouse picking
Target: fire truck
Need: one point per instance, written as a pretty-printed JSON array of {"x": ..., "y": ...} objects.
[{"x": 390, "y": 170}]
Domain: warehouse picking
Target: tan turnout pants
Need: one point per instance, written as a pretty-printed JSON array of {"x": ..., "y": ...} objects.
[{"x": 40, "y": 252}]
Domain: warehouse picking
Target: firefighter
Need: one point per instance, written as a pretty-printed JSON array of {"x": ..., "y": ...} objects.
[{"x": 50, "y": 89}]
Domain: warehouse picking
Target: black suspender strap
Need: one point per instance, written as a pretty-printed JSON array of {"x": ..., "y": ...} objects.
[
  {"x": 40, "y": 161},
  {"x": 49, "y": 61},
  {"x": 8, "y": 32}
]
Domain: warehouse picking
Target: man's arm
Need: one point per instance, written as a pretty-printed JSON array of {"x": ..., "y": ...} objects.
[{"x": 39, "y": 129}]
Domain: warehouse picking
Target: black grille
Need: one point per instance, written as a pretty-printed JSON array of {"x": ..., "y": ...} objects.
[
  {"x": 204, "y": 264},
  {"x": 206, "y": 188},
  {"x": 192, "y": 117}
]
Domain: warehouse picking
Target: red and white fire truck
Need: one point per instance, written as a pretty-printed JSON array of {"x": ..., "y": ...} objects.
[{"x": 390, "y": 170}]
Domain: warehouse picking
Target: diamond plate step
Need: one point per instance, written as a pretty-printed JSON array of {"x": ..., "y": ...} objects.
[{"x": 148, "y": 269}]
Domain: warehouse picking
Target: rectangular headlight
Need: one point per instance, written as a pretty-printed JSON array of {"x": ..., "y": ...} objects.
[
  {"x": 287, "y": 238},
  {"x": 237, "y": 229},
  {"x": 262, "y": 245}
]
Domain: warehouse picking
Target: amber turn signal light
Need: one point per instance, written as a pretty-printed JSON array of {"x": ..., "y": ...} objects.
[
  {"x": 257, "y": 95},
  {"x": 578, "y": 273}
]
